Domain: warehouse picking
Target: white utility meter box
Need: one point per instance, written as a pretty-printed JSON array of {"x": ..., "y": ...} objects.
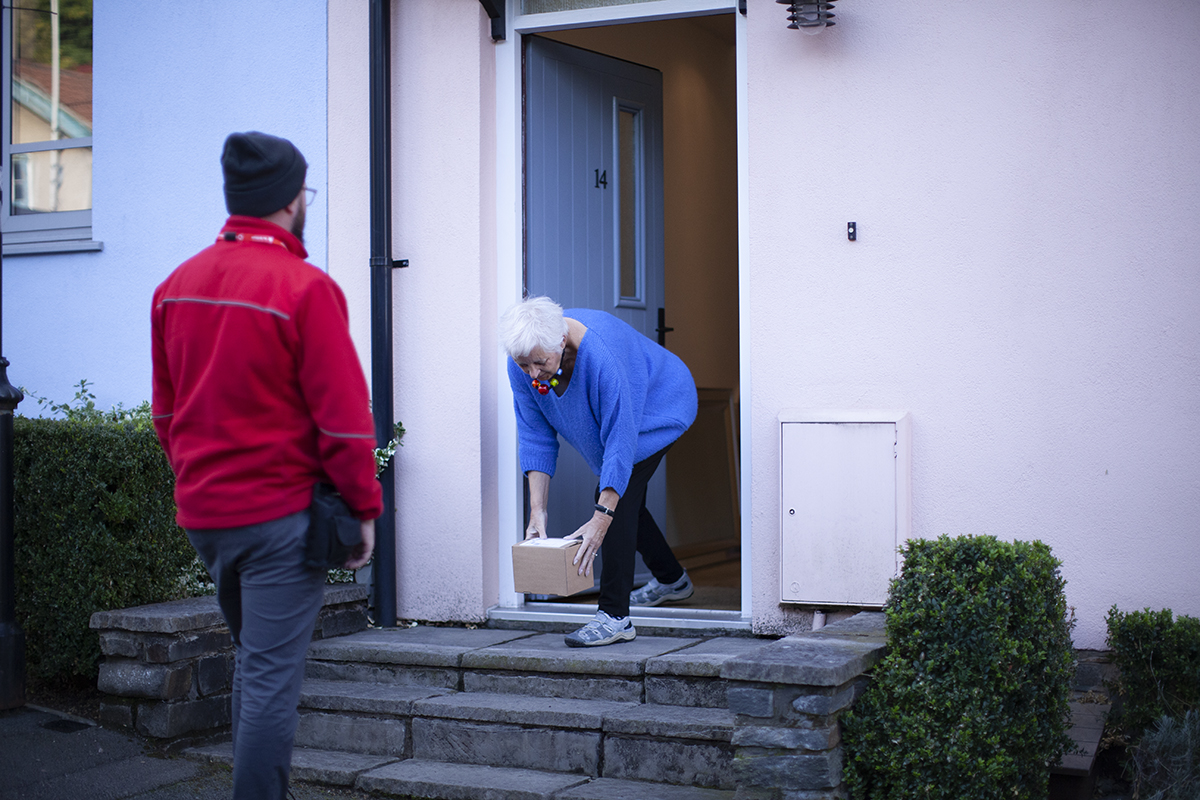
[{"x": 846, "y": 494}]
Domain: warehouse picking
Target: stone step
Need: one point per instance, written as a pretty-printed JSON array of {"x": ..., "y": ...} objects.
[
  {"x": 449, "y": 781},
  {"x": 336, "y": 768},
  {"x": 671, "y": 744},
  {"x": 653, "y": 669},
  {"x": 444, "y": 781}
]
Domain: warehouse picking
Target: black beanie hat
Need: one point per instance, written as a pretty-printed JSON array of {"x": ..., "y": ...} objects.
[{"x": 263, "y": 173}]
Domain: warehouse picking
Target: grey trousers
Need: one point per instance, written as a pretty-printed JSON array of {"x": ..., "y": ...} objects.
[{"x": 270, "y": 600}]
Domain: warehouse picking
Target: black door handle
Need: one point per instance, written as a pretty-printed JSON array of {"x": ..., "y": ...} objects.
[{"x": 662, "y": 330}]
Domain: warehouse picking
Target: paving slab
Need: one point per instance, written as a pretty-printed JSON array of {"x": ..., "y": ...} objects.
[
  {"x": 675, "y": 722},
  {"x": 52, "y": 756},
  {"x": 519, "y": 709},
  {"x": 36, "y": 746},
  {"x": 432, "y": 779},
  {"x": 371, "y": 698},
  {"x": 308, "y": 764},
  {"x": 613, "y": 789},
  {"x": 805, "y": 660},
  {"x": 548, "y": 652},
  {"x": 420, "y": 646},
  {"x": 704, "y": 659}
]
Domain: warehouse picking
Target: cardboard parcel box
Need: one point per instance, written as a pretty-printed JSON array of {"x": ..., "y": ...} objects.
[{"x": 543, "y": 566}]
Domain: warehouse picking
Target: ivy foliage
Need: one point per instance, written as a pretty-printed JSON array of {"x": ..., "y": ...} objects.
[
  {"x": 972, "y": 697},
  {"x": 95, "y": 530},
  {"x": 1157, "y": 656}
]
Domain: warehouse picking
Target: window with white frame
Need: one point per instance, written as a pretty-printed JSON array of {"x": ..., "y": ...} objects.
[{"x": 46, "y": 196}]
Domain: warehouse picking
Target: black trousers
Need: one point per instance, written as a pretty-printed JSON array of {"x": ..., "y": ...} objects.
[{"x": 633, "y": 530}]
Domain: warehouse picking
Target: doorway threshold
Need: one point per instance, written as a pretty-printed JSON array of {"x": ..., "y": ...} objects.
[{"x": 566, "y": 617}]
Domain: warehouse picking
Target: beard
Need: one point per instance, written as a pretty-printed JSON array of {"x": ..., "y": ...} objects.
[{"x": 298, "y": 224}]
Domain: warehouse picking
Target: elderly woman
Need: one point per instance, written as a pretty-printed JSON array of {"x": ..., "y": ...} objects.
[{"x": 620, "y": 400}]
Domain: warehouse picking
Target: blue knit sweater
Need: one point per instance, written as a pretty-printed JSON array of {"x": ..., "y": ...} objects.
[{"x": 628, "y": 398}]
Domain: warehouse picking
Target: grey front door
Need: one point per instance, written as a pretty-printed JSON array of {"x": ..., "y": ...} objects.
[{"x": 593, "y": 213}]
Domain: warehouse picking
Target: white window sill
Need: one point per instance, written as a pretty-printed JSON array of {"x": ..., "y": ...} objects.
[{"x": 47, "y": 248}]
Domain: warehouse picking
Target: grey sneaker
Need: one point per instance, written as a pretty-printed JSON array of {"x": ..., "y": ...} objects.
[
  {"x": 654, "y": 592},
  {"x": 603, "y": 629}
]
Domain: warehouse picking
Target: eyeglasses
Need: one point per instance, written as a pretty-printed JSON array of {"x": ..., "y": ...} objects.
[{"x": 309, "y": 196}]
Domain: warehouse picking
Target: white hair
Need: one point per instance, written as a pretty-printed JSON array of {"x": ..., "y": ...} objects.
[{"x": 532, "y": 324}]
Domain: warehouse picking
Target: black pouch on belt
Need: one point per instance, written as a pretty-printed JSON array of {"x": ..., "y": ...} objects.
[{"x": 333, "y": 532}]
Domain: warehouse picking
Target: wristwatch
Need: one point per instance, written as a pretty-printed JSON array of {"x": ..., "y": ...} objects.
[{"x": 604, "y": 509}]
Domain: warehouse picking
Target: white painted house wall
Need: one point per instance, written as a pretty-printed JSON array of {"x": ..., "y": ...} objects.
[
  {"x": 1026, "y": 282},
  {"x": 171, "y": 81}
]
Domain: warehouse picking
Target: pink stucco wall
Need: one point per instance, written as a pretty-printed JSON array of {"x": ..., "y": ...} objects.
[{"x": 1026, "y": 181}]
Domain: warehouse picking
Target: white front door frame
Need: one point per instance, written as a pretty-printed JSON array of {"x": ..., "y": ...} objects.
[{"x": 509, "y": 210}]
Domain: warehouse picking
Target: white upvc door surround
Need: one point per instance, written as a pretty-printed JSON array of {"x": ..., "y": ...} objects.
[{"x": 509, "y": 223}]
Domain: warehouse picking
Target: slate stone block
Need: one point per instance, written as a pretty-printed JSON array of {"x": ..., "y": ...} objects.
[
  {"x": 613, "y": 789},
  {"x": 128, "y": 678},
  {"x": 690, "y": 692},
  {"x": 340, "y": 621},
  {"x": 807, "y": 771},
  {"x": 671, "y": 722},
  {"x": 516, "y": 709},
  {"x": 168, "y": 720},
  {"x": 395, "y": 674},
  {"x": 123, "y": 644},
  {"x": 824, "y": 737},
  {"x": 189, "y": 614},
  {"x": 688, "y": 763},
  {"x": 751, "y": 701},
  {"x": 506, "y": 745},
  {"x": 414, "y": 779},
  {"x": 619, "y": 690},
  {"x": 214, "y": 674},
  {"x": 380, "y": 737},
  {"x": 165, "y": 648},
  {"x": 369, "y": 698},
  {"x": 823, "y": 702},
  {"x": 806, "y": 661}
]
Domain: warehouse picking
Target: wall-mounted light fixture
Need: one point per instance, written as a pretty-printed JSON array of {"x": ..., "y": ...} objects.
[{"x": 809, "y": 17}]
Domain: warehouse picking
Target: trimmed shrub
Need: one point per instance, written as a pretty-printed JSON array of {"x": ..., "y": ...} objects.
[
  {"x": 1158, "y": 659},
  {"x": 972, "y": 697},
  {"x": 95, "y": 530}
]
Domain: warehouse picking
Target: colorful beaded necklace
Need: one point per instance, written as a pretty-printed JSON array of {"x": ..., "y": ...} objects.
[{"x": 544, "y": 388}]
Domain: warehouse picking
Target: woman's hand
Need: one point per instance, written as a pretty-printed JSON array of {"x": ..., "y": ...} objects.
[
  {"x": 592, "y": 533},
  {"x": 537, "y": 525},
  {"x": 539, "y": 494}
]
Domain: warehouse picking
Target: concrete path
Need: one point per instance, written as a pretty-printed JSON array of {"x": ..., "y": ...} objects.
[{"x": 45, "y": 755}]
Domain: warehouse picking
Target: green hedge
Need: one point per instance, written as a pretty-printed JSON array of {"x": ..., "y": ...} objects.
[
  {"x": 95, "y": 530},
  {"x": 1158, "y": 659},
  {"x": 972, "y": 697}
]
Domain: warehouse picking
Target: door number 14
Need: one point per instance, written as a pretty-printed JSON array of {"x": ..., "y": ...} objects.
[{"x": 601, "y": 179}]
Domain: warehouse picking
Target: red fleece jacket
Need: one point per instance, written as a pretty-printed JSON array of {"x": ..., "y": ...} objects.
[{"x": 258, "y": 393}]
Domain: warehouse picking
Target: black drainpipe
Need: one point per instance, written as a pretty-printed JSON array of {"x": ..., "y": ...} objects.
[{"x": 384, "y": 572}]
